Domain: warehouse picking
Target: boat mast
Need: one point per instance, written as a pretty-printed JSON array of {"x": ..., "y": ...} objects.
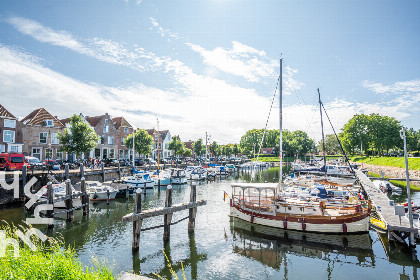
[
  {"x": 133, "y": 150},
  {"x": 322, "y": 128},
  {"x": 158, "y": 143},
  {"x": 281, "y": 120}
]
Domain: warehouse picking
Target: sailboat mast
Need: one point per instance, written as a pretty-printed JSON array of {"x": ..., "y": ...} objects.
[
  {"x": 322, "y": 128},
  {"x": 158, "y": 144},
  {"x": 133, "y": 150},
  {"x": 281, "y": 120}
]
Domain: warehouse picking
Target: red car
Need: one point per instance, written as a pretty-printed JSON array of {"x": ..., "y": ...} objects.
[{"x": 11, "y": 161}]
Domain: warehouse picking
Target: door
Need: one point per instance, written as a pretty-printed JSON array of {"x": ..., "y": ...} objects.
[{"x": 104, "y": 153}]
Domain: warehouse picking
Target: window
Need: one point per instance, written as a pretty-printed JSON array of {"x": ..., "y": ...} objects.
[
  {"x": 2, "y": 148},
  {"x": 14, "y": 149},
  {"x": 54, "y": 138},
  {"x": 110, "y": 140},
  {"x": 43, "y": 137},
  {"x": 106, "y": 121},
  {"x": 111, "y": 153},
  {"x": 48, "y": 153},
  {"x": 121, "y": 153},
  {"x": 59, "y": 155},
  {"x": 126, "y": 130},
  {"x": 122, "y": 140},
  {"x": 16, "y": 159},
  {"x": 106, "y": 128},
  {"x": 8, "y": 136},
  {"x": 49, "y": 123},
  {"x": 9, "y": 123}
]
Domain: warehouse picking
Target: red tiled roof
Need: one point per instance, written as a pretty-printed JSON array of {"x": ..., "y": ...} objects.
[
  {"x": 39, "y": 116},
  {"x": 120, "y": 121},
  {"x": 188, "y": 145},
  {"x": 93, "y": 121},
  {"x": 5, "y": 113}
]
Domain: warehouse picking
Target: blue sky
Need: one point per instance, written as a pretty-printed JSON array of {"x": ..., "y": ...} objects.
[{"x": 211, "y": 65}]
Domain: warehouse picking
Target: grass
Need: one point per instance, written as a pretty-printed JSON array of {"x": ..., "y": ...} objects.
[
  {"x": 51, "y": 260},
  {"x": 413, "y": 163},
  {"x": 400, "y": 184}
]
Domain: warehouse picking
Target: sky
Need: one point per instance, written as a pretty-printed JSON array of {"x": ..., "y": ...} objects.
[{"x": 212, "y": 65}]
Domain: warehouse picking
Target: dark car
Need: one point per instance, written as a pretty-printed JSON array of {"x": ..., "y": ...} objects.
[
  {"x": 139, "y": 162},
  {"x": 110, "y": 162},
  {"x": 163, "y": 161}
]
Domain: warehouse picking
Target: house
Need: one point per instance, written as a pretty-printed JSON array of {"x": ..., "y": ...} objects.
[
  {"x": 123, "y": 129},
  {"x": 10, "y": 132},
  {"x": 267, "y": 151},
  {"x": 189, "y": 145},
  {"x": 40, "y": 135},
  {"x": 108, "y": 136},
  {"x": 162, "y": 137}
]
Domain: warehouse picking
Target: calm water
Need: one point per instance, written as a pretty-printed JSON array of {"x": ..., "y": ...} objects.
[{"x": 222, "y": 248}]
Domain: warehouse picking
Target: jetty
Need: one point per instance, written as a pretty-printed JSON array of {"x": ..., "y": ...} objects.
[{"x": 397, "y": 226}]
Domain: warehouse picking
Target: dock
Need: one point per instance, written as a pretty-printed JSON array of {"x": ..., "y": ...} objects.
[{"x": 398, "y": 227}]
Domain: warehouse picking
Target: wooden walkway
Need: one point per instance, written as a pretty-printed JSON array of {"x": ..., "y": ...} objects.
[{"x": 385, "y": 210}]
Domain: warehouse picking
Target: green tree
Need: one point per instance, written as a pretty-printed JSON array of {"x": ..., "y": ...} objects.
[
  {"x": 187, "y": 152},
  {"x": 142, "y": 142},
  {"x": 228, "y": 150},
  {"x": 79, "y": 138},
  {"x": 331, "y": 144},
  {"x": 215, "y": 149},
  {"x": 251, "y": 140},
  {"x": 176, "y": 145},
  {"x": 198, "y": 147},
  {"x": 236, "y": 149},
  {"x": 271, "y": 138}
]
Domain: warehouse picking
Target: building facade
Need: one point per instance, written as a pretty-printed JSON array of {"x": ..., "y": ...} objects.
[
  {"x": 108, "y": 137},
  {"x": 161, "y": 141},
  {"x": 10, "y": 132},
  {"x": 123, "y": 130},
  {"x": 40, "y": 135}
]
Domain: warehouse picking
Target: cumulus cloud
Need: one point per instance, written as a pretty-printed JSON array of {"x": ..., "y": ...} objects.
[{"x": 397, "y": 87}]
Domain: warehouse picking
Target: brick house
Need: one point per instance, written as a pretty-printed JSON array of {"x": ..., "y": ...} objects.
[
  {"x": 40, "y": 135},
  {"x": 123, "y": 129},
  {"x": 108, "y": 136},
  {"x": 10, "y": 132}
]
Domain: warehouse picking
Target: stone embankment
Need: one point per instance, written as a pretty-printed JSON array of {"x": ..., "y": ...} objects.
[{"x": 391, "y": 172}]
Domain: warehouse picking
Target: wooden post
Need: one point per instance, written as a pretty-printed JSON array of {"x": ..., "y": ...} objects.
[
  {"x": 66, "y": 171},
  {"x": 50, "y": 199},
  {"x": 137, "y": 224},
  {"x": 193, "y": 211},
  {"x": 107, "y": 197},
  {"x": 144, "y": 187},
  {"x": 159, "y": 184},
  {"x": 119, "y": 170},
  {"x": 69, "y": 201},
  {"x": 167, "y": 218},
  {"x": 85, "y": 197},
  {"x": 82, "y": 171},
  {"x": 103, "y": 172},
  {"x": 127, "y": 192},
  {"x": 21, "y": 194}
]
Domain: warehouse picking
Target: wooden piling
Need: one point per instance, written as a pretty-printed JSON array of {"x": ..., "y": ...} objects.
[
  {"x": 193, "y": 211},
  {"x": 158, "y": 184},
  {"x": 127, "y": 192},
  {"x": 82, "y": 171},
  {"x": 103, "y": 172},
  {"x": 144, "y": 188},
  {"x": 69, "y": 201},
  {"x": 107, "y": 197},
  {"x": 50, "y": 200},
  {"x": 21, "y": 193},
  {"x": 137, "y": 223},
  {"x": 66, "y": 171},
  {"x": 85, "y": 197},
  {"x": 167, "y": 218},
  {"x": 119, "y": 170}
]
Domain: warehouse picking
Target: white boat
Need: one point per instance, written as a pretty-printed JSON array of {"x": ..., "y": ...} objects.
[
  {"x": 386, "y": 186},
  {"x": 59, "y": 191},
  {"x": 178, "y": 176},
  {"x": 161, "y": 178},
  {"x": 99, "y": 192},
  {"x": 139, "y": 180},
  {"x": 197, "y": 174}
]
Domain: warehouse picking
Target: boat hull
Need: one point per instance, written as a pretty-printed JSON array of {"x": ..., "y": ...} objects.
[
  {"x": 179, "y": 181},
  {"x": 149, "y": 185},
  {"x": 163, "y": 182},
  {"x": 333, "y": 226},
  {"x": 102, "y": 196}
]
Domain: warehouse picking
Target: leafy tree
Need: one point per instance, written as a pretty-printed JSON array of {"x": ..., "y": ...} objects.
[
  {"x": 142, "y": 142},
  {"x": 271, "y": 138},
  {"x": 251, "y": 140},
  {"x": 79, "y": 138},
  {"x": 177, "y": 146},
  {"x": 331, "y": 144},
  {"x": 236, "y": 149},
  {"x": 198, "y": 147},
  {"x": 228, "y": 150},
  {"x": 215, "y": 149},
  {"x": 187, "y": 152},
  {"x": 296, "y": 142}
]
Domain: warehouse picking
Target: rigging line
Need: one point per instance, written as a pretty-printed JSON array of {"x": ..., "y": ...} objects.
[{"x": 268, "y": 118}]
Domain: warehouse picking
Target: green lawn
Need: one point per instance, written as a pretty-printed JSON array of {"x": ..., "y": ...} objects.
[{"x": 413, "y": 163}]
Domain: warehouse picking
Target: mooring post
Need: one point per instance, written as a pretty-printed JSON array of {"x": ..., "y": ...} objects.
[
  {"x": 107, "y": 197},
  {"x": 119, "y": 171},
  {"x": 24, "y": 171},
  {"x": 103, "y": 172},
  {"x": 144, "y": 187},
  {"x": 85, "y": 197},
  {"x": 69, "y": 200},
  {"x": 193, "y": 211},
  {"x": 167, "y": 217},
  {"x": 82, "y": 171},
  {"x": 50, "y": 200},
  {"x": 137, "y": 223},
  {"x": 127, "y": 192},
  {"x": 66, "y": 171},
  {"x": 158, "y": 184}
]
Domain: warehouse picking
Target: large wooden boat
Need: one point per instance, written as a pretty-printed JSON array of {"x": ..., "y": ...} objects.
[{"x": 260, "y": 203}]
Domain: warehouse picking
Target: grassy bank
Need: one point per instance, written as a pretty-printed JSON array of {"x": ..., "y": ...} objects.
[
  {"x": 400, "y": 184},
  {"x": 49, "y": 261},
  {"x": 413, "y": 163}
]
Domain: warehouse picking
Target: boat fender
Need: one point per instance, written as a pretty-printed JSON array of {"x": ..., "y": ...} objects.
[
  {"x": 95, "y": 196},
  {"x": 344, "y": 228},
  {"x": 303, "y": 225},
  {"x": 252, "y": 218},
  {"x": 285, "y": 223}
]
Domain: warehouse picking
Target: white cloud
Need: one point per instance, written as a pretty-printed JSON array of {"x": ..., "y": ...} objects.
[
  {"x": 164, "y": 32},
  {"x": 397, "y": 87}
]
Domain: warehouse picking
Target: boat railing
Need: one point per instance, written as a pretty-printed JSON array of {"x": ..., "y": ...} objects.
[{"x": 254, "y": 203}]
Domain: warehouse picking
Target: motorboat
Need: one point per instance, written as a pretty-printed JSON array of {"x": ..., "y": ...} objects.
[
  {"x": 161, "y": 178},
  {"x": 141, "y": 179},
  {"x": 59, "y": 191},
  {"x": 386, "y": 186},
  {"x": 198, "y": 174},
  {"x": 99, "y": 192},
  {"x": 178, "y": 176}
]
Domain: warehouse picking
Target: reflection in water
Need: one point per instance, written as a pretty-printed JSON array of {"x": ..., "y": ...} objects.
[{"x": 270, "y": 246}]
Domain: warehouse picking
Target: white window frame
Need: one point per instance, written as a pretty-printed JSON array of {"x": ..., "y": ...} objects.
[
  {"x": 126, "y": 130},
  {"x": 110, "y": 140},
  {"x": 13, "y": 136},
  {"x": 54, "y": 139},
  {"x": 106, "y": 128},
  {"x": 14, "y": 148},
  {"x": 59, "y": 154},
  {"x": 46, "y": 153},
  {"x": 111, "y": 152},
  {"x": 9, "y": 123},
  {"x": 122, "y": 141},
  {"x": 46, "y": 138},
  {"x": 49, "y": 123}
]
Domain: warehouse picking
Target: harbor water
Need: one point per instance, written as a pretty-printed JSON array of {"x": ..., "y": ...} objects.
[{"x": 224, "y": 248}]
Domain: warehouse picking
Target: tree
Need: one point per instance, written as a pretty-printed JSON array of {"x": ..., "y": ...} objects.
[
  {"x": 251, "y": 140},
  {"x": 187, "y": 152},
  {"x": 176, "y": 145},
  {"x": 215, "y": 149},
  {"x": 142, "y": 142},
  {"x": 79, "y": 138},
  {"x": 236, "y": 149},
  {"x": 331, "y": 144},
  {"x": 296, "y": 142},
  {"x": 271, "y": 138},
  {"x": 228, "y": 150},
  {"x": 198, "y": 147}
]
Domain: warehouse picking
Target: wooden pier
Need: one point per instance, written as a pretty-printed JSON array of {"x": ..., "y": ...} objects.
[{"x": 398, "y": 227}]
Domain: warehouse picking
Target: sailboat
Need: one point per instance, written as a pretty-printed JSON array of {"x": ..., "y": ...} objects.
[{"x": 265, "y": 204}]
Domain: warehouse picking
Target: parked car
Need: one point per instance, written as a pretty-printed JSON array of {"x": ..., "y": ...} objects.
[
  {"x": 11, "y": 161},
  {"x": 33, "y": 163},
  {"x": 110, "y": 162},
  {"x": 124, "y": 162},
  {"x": 138, "y": 162},
  {"x": 52, "y": 164},
  {"x": 150, "y": 161}
]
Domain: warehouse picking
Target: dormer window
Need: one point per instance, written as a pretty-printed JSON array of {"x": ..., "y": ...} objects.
[
  {"x": 49, "y": 123},
  {"x": 106, "y": 121}
]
